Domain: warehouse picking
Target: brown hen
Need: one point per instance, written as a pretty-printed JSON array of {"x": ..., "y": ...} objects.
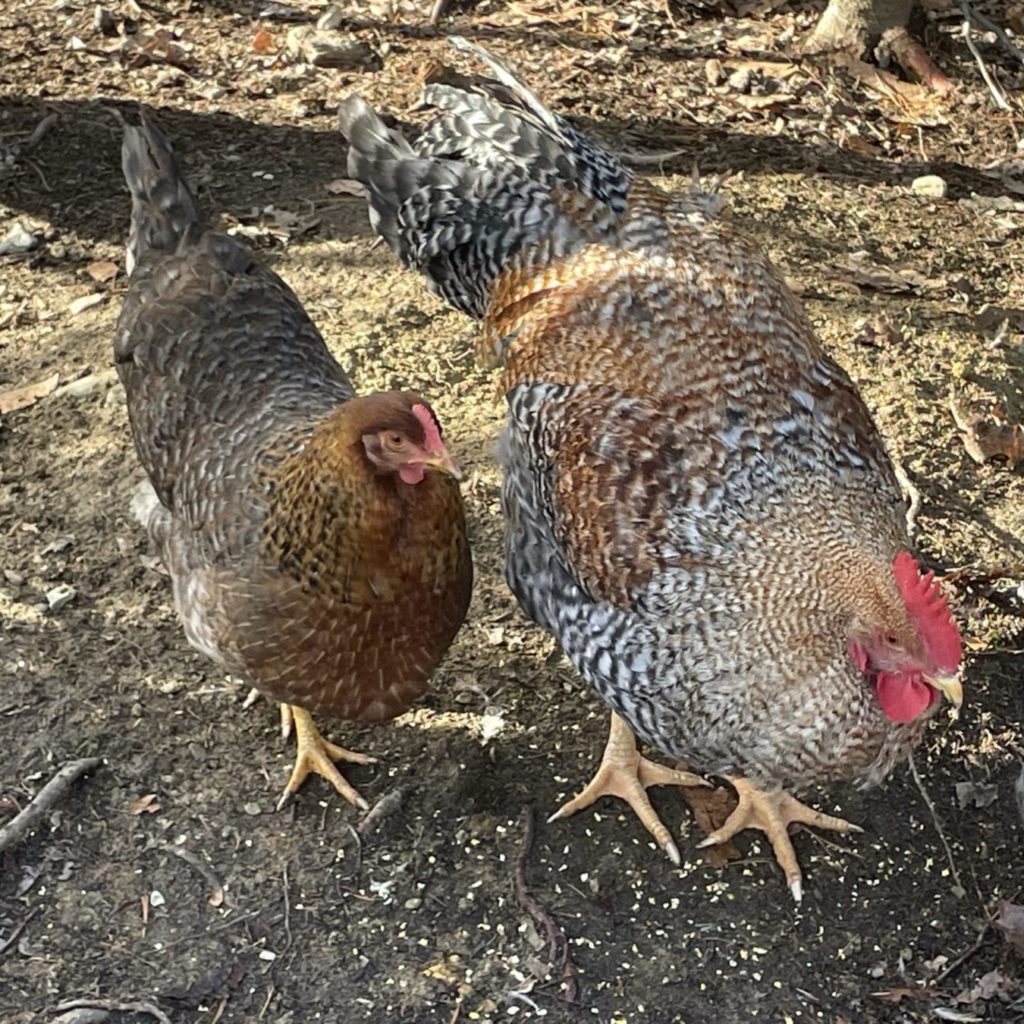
[
  {"x": 699, "y": 506},
  {"x": 315, "y": 539}
]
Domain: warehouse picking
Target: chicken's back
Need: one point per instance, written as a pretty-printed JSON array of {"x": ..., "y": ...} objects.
[{"x": 217, "y": 356}]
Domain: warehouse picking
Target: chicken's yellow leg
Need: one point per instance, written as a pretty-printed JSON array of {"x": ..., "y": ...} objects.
[
  {"x": 773, "y": 813},
  {"x": 625, "y": 773},
  {"x": 315, "y": 754}
]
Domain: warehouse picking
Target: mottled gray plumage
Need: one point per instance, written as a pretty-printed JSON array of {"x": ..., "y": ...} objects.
[{"x": 699, "y": 506}]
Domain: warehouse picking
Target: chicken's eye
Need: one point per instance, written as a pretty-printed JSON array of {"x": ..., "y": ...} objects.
[
  {"x": 892, "y": 639},
  {"x": 395, "y": 441}
]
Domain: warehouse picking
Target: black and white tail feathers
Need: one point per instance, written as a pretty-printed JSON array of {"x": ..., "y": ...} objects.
[
  {"x": 481, "y": 187},
  {"x": 164, "y": 211}
]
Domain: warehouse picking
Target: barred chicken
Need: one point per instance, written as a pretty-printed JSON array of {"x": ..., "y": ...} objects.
[
  {"x": 699, "y": 506},
  {"x": 316, "y": 539}
]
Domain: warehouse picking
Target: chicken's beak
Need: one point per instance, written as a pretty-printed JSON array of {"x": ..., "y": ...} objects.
[
  {"x": 949, "y": 686},
  {"x": 443, "y": 463}
]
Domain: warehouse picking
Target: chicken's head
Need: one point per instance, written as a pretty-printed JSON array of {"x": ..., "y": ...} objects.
[
  {"x": 914, "y": 657},
  {"x": 404, "y": 437}
]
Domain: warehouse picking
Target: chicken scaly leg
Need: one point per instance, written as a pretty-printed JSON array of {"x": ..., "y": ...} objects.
[
  {"x": 315, "y": 754},
  {"x": 773, "y": 813},
  {"x": 624, "y": 772}
]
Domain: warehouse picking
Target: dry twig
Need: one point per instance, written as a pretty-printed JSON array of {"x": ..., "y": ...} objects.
[
  {"x": 938, "y": 825},
  {"x": 9, "y": 942},
  {"x": 913, "y": 496},
  {"x": 216, "y": 897},
  {"x": 56, "y": 789},
  {"x": 558, "y": 944},
  {"x": 997, "y": 96},
  {"x": 987, "y": 25}
]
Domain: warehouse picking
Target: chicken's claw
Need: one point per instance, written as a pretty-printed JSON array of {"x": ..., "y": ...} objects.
[
  {"x": 624, "y": 772},
  {"x": 315, "y": 754},
  {"x": 773, "y": 813}
]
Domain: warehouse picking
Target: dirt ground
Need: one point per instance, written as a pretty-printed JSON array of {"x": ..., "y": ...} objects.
[{"x": 167, "y": 878}]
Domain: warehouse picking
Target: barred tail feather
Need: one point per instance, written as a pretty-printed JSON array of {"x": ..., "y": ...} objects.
[
  {"x": 480, "y": 189},
  {"x": 164, "y": 211}
]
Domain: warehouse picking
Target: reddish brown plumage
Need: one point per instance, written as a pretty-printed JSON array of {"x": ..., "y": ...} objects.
[{"x": 315, "y": 539}]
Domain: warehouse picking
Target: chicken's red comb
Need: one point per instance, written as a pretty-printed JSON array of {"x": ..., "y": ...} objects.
[
  {"x": 929, "y": 611},
  {"x": 431, "y": 428}
]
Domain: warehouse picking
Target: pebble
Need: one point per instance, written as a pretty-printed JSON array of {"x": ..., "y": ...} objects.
[
  {"x": 18, "y": 239},
  {"x": 60, "y": 596},
  {"x": 156, "y": 898},
  {"x": 252, "y": 809},
  {"x": 714, "y": 72},
  {"x": 413, "y": 903},
  {"x": 267, "y": 954},
  {"x": 14, "y": 578},
  {"x": 930, "y": 185},
  {"x": 739, "y": 81}
]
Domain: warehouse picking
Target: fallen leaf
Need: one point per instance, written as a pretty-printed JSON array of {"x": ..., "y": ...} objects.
[
  {"x": 1010, "y": 921},
  {"x": 993, "y": 985},
  {"x": 345, "y": 187},
  {"x": 263, "y": 42},
  {"x": 863, "y": 271},
  {"x": 144, "y": 805},
  {"x": 711, "y": 808},
  {"x": 102, "y": 271},
  {"x": 23, "y": 397},
  {"x": 976, "y": 794},
  {"x": 987, "y": 439}
]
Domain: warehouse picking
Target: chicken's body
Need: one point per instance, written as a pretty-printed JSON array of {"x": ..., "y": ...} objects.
[
  {"x": 698, "y": 504},
  {"x": 296, "y": 563}
]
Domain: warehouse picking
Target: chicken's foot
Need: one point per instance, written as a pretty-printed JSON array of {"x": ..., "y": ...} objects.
[
  {"x": 624, "y": 772},
  {"x": 316, "y": 754},
  {"x": 773, "y": 813}
]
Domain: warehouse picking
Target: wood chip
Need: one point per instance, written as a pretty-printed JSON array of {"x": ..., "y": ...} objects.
[
  {"x": 23, "y": 397},
  {"x": 102, "y": 271}
]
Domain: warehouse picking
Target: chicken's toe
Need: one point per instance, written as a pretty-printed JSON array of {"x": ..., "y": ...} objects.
[
  {"x": 626, "y": 774},
  {"x": 316, "y": 754},
  {"x": 773, "y": 813}
]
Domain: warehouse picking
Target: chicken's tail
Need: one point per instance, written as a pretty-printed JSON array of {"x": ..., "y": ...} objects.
[
  {"x": 164, "y": 211},
  {"x": 495, "y": 178}
]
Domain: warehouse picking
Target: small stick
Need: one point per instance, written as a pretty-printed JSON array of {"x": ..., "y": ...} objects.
[
  {"x": 938, "y": 826},
  {"x": 437, "y": 11},
  {"x": 964, "y": 957},
  {"x": 9, "y": 942},
  {"x": 216, "y": 897},
  {"x": 558, "y": 944},
  {"x": 98, "y": 1004},
  {"x": 990, "y": 26},
  {"x": 649, "y": 159},
  {"x": 56, "y": 789},
  {"x": 38, "y": 132},
  {"x": 997, "y": 96},
  {"x": 913, "y": 496}
]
